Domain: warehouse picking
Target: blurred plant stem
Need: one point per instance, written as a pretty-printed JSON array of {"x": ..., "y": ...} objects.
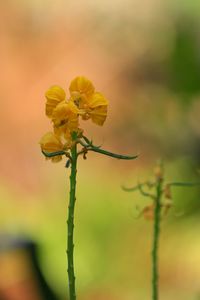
[
  {"x": 156, "y": 234},
  {"x": 70, "y": 221},
  {"x": 156, "y": 211}
]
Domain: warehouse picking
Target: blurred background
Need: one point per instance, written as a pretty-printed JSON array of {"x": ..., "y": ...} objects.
[{"x": 144, "y": 56}]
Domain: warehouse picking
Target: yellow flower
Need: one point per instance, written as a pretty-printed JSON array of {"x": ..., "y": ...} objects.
[
  {"x": 64, "y": 113},
  {"x": 52, "y": 143},
  {"x": 65, "y": 118},
  {"x": 80, "y": 90},
  {"x": 90, "y": 103},
  {"x": 97, "y": 108},
  {"x": 54, "y": 96}
]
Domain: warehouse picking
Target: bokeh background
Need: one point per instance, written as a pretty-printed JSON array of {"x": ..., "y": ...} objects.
[{"x": 145, "y": 57}]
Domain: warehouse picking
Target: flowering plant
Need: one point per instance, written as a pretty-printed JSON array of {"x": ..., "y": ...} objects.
[
  {"x": 65, "y": 114},
  {"x": 160, "y": 194}
]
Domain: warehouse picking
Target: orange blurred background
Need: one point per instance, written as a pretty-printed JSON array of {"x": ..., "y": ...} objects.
[{"x": 144, "y": 57}]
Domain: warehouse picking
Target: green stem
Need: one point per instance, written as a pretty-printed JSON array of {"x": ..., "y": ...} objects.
[
  {"x": 52, "y": 154},
  {"x": 156, "y": 235},
  {"x": 70, "y": 224},
  {"x": 185, "y": 184},
  {"x": 105, "y": 152},
  {"x": 91, "y": 147}
]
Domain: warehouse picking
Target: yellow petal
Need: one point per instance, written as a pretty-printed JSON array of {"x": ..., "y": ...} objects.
[
  {"x": 56, "y": 159},
  {"x": 51, "y": 143},
  {"x": 73, "y": 107},
  {"x": 65, "y": 114},
  {"x": 96, "y": 100},
  {"x": 81, "y": 85},
  {"x": 60, "y": 113},
  {"x": 62, "y": 131},
  {"x": 66, "y": 129},
  {"x": 96, "y": 109},
  {"x": 99, "y": 114},
  {"x": 54, "y": 96}
]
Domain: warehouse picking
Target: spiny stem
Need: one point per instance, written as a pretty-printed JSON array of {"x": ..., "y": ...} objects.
[
  {"x": 70, "y": 223},
  {"x": 156, "y": 235}
]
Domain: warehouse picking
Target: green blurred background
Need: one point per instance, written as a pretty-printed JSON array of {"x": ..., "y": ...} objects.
[{"x": 144, "y": 56}]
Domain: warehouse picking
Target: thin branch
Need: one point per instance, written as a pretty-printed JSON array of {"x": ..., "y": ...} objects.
[
  {"x": 131, "y": 189},
  {"x": 90, "y": 143},
  {"x": 87, "y": 140},
  {"x": 140, "y": 187},
  {"x": 82, "y": 151},
  {"x": 185, "y": 184},
  {"x": 52, "y": 154},
  {"x": 105, "y": 152},
  {"x": 97, "y": 149},
  {"x": 136, "y": 187},
  {"x": 83, "y": 144}
]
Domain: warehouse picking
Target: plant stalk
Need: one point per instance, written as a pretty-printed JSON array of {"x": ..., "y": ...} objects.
[
  {"x": 70, "y": 224},
  {"x": 156, "y": 235},
  {"x": 108, "y": 153}
]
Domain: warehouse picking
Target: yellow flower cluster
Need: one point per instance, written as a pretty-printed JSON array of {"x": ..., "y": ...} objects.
[{"x": 84, "y": 102}]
